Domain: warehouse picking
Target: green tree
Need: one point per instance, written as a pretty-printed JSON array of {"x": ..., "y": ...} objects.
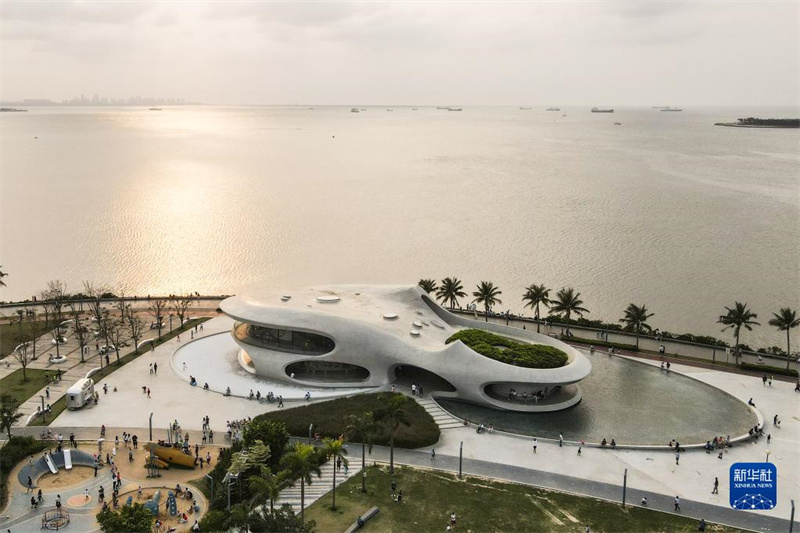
[
  {"x": 428, "y": 285},
  {"x": 363, "y": 428},
  {"x": 301, "y": 460},
  {"x": 134, "y": 518},
  {"x": 635, "y": 320},
  {"x": 785, "y": 320},
  {"x": 487, "y": 294},
  {"x": 9, "y": 413},
  {"x": 266, "y": 486},
  {"x": 333, "y": 450},
  {"x": 566, "y": 303},
  {"x": 450, "y": 291},
  {"x": 736, "y": 317},
  {"x": 392, "y": 415},
  {"x": 535, "y": 295},
  {"x": 273, "y": 434}
]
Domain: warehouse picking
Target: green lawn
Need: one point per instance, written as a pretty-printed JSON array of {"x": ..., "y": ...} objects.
[
  {"x": 10, "y": 337},
  {"x": 14, "y": 385},
  {"x": 480, "y": 505}
]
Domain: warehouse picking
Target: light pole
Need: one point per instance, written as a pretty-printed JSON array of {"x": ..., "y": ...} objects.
[
  {"x": 768, "y": 452},
  {"x": 170, "y": 322},
  {"x": 44, "y": 414},
  {"x": 151, "y": 427},
  {"x": 624, "y": 487}
]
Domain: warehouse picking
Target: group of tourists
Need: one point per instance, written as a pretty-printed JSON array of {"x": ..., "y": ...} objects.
[
  {"x": 236, "y": 427},
  {"x": 526, "y": 396}
]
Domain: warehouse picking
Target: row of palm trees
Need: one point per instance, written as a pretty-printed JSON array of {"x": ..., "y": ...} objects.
[{"x": 567, "y": 302}]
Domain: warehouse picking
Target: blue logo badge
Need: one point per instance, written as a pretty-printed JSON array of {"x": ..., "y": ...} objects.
[{"x": 754, "y": 486}]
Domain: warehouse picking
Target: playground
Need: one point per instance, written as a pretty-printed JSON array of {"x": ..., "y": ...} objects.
[{"x": 69, "y": 477}]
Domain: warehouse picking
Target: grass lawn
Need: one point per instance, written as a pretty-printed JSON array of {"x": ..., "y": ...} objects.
[
  {"x": 10, "y": 338},
  {"x": 22, "y": 390},
  {"x": 480, "y": 505}
]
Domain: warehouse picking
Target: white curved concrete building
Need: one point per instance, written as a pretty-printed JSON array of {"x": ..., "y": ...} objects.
[{"x": 371, "y": 336}]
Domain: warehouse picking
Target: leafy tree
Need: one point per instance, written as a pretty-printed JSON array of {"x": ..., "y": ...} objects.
[
  {"x": 302, "y": 460},
  {"x": 363, "y": 428},
  {"x": 133, "y": 518},
  {"x": 266, "y": 486},
  {"x": 428, "y": 285},
  {"x": 392, "y": 415},
  {"x": 535, "y": 295},
  {"x": 635, "y": 320},
  {"x": 450, "y": 291},
  {"x": 334, "y": 451},
  {"x": 273, "y": 434},
  {"x": 736, "y": 317},
  {"x": 487, "y": 294},
  {"x": 9, "y": 413},
  {"x": 566, "y": 303},
  {"x": 785, "y": 320},
  {"x": 252, "y": 457}
]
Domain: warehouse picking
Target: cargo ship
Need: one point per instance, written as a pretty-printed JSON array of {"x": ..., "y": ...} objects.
[{"x": 599, "y": 110}]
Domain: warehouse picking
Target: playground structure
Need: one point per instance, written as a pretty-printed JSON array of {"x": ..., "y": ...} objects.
[
  {"x": 51, "y": 463},
  {"x": 55, "y": 518},
  {"x": 152, "y": 505},
  {"x": 169, "y": 456}
]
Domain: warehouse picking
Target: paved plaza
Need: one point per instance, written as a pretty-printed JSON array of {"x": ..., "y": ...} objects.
[{"x": 650, "y": 471}]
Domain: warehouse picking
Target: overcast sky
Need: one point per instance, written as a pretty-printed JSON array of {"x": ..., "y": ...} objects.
[{"x": 469, "y": 53}]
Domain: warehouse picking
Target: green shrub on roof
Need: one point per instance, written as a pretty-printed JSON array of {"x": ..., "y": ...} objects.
[{"x": 510, "y": 351}]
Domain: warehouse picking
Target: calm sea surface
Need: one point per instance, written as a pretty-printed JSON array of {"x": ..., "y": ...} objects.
[{"x": 665, "y": 209}]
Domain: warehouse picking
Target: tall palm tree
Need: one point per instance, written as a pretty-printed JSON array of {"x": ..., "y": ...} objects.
[
  {"x": 428, "y": 285},
  {"x": 635, "y": 320},
  {"x": 784, "y": 320},
  {"x": 735, "y": 318},
  {"x": 567, "y": 302},
  {"x": 334, "y": 450},
  {"x": 392, "y": 415},
  {"x": 535, "y": 295},
  {"x": 362, "y": 428},
  {"x": 2, "y": 275},
  {"x": 302, "y": 460},
  {"x": 487, "y": 294},
  {"x": 266, "y": 486},
  {"x": 450, "y": 291}
]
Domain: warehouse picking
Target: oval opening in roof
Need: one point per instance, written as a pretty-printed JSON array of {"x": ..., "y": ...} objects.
[
  {"x": 415, "y": 332},
  {"x": 390, "y": 316},
  {"x": 328, "y": 299}
]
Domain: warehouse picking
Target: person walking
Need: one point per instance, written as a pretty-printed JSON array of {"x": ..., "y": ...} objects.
[
  {"x": 702, "y": 526},
  {"x": 715, "y": 490},
  {"x": 535, "y": 445},
  {"x": 677, "y": 504},
  {"x": 155, "y": 368},
  {"x": 677, "y": 458},
  {"x": 560, "y": 439},
  {"x": 433, "y": 454},
  {"x": 148, "y": 392}
]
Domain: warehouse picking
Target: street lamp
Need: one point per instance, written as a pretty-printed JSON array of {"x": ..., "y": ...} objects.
[
  {"x": 44, "y": 416},
  {"x": 151, "y": 427},
  {"x": 768, "y": 452},
  {"x": 170, "y": 322}
]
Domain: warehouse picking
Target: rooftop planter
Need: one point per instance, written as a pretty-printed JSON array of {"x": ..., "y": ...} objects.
[{"x": 509, "y": 351}]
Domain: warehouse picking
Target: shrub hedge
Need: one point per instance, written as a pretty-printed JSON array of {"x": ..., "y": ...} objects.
[
  {"x": 330, "y": 419},
  {"x": 516, "y": 353},
  {"x": 770, "y": 369},
  {"x": 15, "y": 450}
]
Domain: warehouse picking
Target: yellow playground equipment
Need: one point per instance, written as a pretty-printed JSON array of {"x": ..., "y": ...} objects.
[{"x": 166, "y": 456}]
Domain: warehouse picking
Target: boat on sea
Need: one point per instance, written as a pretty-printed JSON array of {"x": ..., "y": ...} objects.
[
  {"x": 354, "y": 110},
  {"x": 454, "y": 109},
  {"x": 526, "y": 108},
  {"x": 618, "y": 123},
  {"x": 671, "y": 109},
  {"x": 553, "y": 109},
  {"x": 155, "y": 109},
  {"x": 600, "y": 110}
]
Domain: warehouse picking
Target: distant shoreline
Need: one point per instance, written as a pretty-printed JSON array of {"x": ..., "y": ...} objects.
[{"x": 735, "y": 125}]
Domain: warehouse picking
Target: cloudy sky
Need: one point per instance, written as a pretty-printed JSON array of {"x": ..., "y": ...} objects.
[{"x": 431, "y": 52}]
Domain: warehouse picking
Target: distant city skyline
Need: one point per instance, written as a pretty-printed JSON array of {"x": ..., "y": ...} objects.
[{"x": 406, "y": 53}]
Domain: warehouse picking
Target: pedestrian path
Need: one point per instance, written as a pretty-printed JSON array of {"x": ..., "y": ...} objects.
[
  {"x": 442, "y": 418},
  {"x": 319, "y": 488}
]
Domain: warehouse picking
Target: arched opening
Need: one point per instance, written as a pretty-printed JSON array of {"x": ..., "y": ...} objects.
[
  {"x": 405, "y": 375},
  {"x": 327, "y": 372}
]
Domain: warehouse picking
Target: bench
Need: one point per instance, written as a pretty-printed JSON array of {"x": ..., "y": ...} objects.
[{"x": 358, "y": 524}]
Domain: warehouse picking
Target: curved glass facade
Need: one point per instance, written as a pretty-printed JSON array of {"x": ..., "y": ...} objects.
[
  {"x": 326, "y": 371},
  {"x": 284, "y": 340}
]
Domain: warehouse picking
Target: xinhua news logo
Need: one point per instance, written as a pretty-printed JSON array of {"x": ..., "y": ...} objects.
[{"x": 754, "y": 486}]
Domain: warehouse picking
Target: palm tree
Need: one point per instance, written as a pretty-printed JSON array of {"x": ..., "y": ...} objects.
[
  {"x": 362, "y": 427},
  {"x": 737, "y": 317},
  {"x": 2, "y": 275},
  {"x": 487, "y": 294},
  {"x": 302, "y": 460},
  {"x": 428, "y": 285},
  {"x": 635, "y": 320},
  {"x": 535, "y": 295},
  {"x": 334, "y": 451},
  {"x": 391, "y": 416},
  {"x": 266, "y": 486},
  {"x": 784, "y": 320},
  {"x": 567, "y": 302},
  {"x": 450, "y": 291}
]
